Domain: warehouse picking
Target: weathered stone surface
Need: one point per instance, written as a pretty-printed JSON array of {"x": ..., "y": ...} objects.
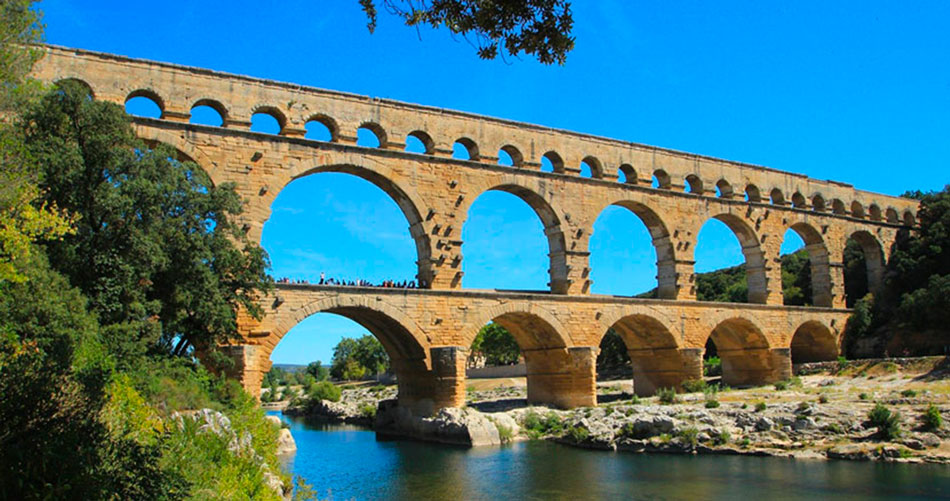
[{"x": 459, "y": 426}]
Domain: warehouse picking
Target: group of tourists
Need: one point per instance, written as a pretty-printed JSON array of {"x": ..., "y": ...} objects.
[{"x": 388, "y": 284}]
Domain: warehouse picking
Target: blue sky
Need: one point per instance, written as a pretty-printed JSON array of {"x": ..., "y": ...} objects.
[{"x": 854, "y": 91}]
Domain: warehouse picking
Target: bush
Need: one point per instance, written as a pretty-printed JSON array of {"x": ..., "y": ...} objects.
[
  {"x": 368, "y": 411},
  {"x": 723, "y": 437},
  {"x": 635, "y": 400},
  {"x": 538, "y": 425},
  {"x": 863, "y": 396},
  {"x": 578, "y": 433},
  {"x": 760, "y": 406},
  {"x": 504, "y": 433},
  {"x": 823, "y": 399},
  {"x": 886, "y": 422},
  {"x": 325, "y": 390},
  {"x": 667, "y": 395},
  {"x": 712, "y": 367},
  {"x": 712, "y": 404},
  {"x": 932, "y": 418},
  {"x": 690, "y": 435},
  {"x": 693, "y": 385},
  {"x": 781, "y": 385},
  {"x": 745, "y": 442},
  {"x": 909, "y": 393}
]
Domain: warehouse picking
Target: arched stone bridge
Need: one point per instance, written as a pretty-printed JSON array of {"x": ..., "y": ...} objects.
[{"x": 426, "y": 331}]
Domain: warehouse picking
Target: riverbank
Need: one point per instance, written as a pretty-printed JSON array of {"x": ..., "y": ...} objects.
[{"x": 820, "y": 415}]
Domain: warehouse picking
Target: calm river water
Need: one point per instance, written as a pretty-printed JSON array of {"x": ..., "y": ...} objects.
[{"x": 353, "y": 464}]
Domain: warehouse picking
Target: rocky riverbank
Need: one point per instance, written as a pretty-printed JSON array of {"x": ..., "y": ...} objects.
[{"x": 823, "y": 415}]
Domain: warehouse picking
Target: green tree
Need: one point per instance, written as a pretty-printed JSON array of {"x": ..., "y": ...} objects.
[
  {"x": 540, "y": 28},
  {"x": 497, "y": 345},
  {"x": 318, "y": 371},
  {"x": 613, "y": 352},
  {"x": 156, "y": 249},
  {"x": 342, "y": 352},
  {"x": 371, "y": 355}
]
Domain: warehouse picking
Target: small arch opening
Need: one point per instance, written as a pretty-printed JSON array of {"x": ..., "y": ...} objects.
[
  {"x": 370, "y": 135},
  {"x": 723, "y": 189},
  {"x": 661, "y": 180},
  {"x": 694, "y": 185},
  {"x": 863, "y": 266},
  {"x": 857, "y": 210},
  {"x": 419, "y": 142},
  {"x": 909, "y": 219},
  {"x": 837, "y": 206},
  {"x": 268, "y": 121},
  {"x": 798, "y": 201},
  {"x": 818, "y": 203},
  {"x": 77, "y": 82},
  {"x": 892, "y": 216},
  {"x": 144, "y": 103},
  {"x": 874, "y": 212},
  {"x": 465, "y": 149},
  {"x": 627, "y": 174},
  {"x": 551, "y": 162},
  {"x": 744, "y": 352},
  {"x": 777, "y": 197},
  {"x": 321, "y": 128},
  {"x": 591, "y": 167},
  {"x": 509, "y": 156},
  {"x": 752, "y": 193},
  {"x": 207, "y": 112},
  {"x": 813, "y": 342}
]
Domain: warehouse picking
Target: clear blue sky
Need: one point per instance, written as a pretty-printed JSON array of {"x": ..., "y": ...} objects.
[{"x": 854, "y": 91}]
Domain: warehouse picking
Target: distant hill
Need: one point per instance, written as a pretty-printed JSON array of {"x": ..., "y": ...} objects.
[{"x": 290, "y": 367}]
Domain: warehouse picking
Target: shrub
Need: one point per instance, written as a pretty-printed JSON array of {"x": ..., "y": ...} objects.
[
  {"x": 760, "y": 406},
  {"x": 745, "y": 442},
  {"x": 712, "y": 367},
  {"x": 863, "y": 396},
  {"x": 745, "y": 405},
  {"x": 834, "y": 428},
  {"x": 693, "y": 385},
  {"x": 539, "y": 425},
  {"x": 909, "y": 393},
  {"x": 886, "y": 422},
  {"x": 368, "y": 411},
  {"x": 325, "y": 390},
  {"x": 578, "y": 433},
  {"x": 504, "y": 433},
  {"x": 635, "y": 400},
  {"x": 608, "y": 411},
  {"x": 823, "y": 399},
  {"x": 712, "y": 404},
  {"x": 667, "y": 395},
  {"x": 932, "y": 418},
  {"x": 781, "y": 385},
  {"x": 842, "y": 362},
  {"x": 889, "y": 367},
  {"x": 690, "y": 435},
  {"x": 722, "y": 437}
]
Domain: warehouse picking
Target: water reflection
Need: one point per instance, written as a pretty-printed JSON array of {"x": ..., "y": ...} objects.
[{"x": 356, "y": 465}]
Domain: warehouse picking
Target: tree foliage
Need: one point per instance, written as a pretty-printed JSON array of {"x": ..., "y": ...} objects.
[
  {"x": 613, "y": 352},
  {"x": 497, "y": 345},
  {"x": 539, "y": 28},
  {"x": 355, "y": 359},
  {"x": 156, "y": 249}
]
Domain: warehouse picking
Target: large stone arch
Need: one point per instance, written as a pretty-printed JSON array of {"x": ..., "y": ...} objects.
[
  {"x": 819, "y": 261},
  {"x": 662, "y": 243},
  {"x": 873, "y": 258},
  {"x": 180, "y": 142},
  {"x": 551, "y": 218},
  {"x": 813, "y": 341},
  {"x": 754, "y": 256},
  {"x": 655, "y": 353},
  {"x": 409, "y": 202},
  {"x": 557, "y": 373},
  {"x": 405, "y": 343},
  {"x": 747, "y": 356}
]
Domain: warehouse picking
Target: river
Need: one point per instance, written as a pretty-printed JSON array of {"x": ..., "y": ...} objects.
[{"x": 352, "y": 463}]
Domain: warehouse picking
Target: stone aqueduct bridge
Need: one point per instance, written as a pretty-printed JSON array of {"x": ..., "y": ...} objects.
[{"x": 427, "y": 332}]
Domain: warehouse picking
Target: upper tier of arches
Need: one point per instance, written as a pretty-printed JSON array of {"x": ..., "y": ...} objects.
[{"x": 177, "y": 90}]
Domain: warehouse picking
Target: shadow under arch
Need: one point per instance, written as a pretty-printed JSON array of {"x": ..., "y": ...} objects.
[
  {"x": 819, "y": 263},
  {"x": 754, "y": 257},
  {"x": 401, "y": 337},
  {"x": 747, "y": 357},
  {"x": 550, "y": 219},
  {"x": 665, "y": 258},
  {"x": 873, "y": 259},
  {"x": 407, "y": 201},
  {"x": 553, "y": 374},
  {"x": 656, "y": 357},
  {"x": 813, "y": 342}
]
